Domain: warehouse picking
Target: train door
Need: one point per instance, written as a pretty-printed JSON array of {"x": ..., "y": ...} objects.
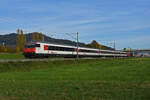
[
  {"x": 46, "y": 49},
  {"x": 37, "y": 48}
]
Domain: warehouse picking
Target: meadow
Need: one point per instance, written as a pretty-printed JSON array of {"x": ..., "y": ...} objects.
[
  {"x": 103, "y": 79},
  {"x": 11, "y": 56}
]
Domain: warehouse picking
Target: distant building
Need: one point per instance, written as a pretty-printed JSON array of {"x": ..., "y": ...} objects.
[{"x": 127, "y": 49}]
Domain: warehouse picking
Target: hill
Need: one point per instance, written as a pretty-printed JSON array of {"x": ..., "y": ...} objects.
[{"x": 10, "y": 40}]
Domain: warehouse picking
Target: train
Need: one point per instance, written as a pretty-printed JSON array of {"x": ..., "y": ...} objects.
[{"x": 46, "y": 50}]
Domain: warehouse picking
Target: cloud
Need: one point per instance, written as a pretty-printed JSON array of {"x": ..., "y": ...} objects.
[
  {"x": 7, "y": 20},
  {"x": 96, "y": 19},
  {"x": 135, "y": 42}
]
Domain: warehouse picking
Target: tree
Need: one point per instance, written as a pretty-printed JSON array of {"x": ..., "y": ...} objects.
[
  {"x": 37, "y": 36},
  {"x": 95, "y": 44},
  {"x": 33, "y": 37},
  {"x": 2, "y": 48},
  {"x": 20, "y": 40},
  {"x": 10, "y": 49},
  {"x": 41, "y": 37}
]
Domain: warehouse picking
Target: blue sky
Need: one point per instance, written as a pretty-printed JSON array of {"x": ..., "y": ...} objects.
[{"x": 125, "y": 21}]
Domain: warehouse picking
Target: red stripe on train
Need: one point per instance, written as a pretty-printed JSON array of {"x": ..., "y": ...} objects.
[
  {"x": 128, "y": 54},
  {"x": 29, "y": 50},
  {"x": 45, "y": 47}
]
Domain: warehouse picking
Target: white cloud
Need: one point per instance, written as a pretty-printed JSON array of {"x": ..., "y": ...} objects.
[
  {"x": 135, "y": 42},
  {"x": 7, "y": 20}
]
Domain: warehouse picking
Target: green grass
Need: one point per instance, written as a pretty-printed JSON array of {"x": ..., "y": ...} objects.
[
  {"x": 119, "y": 79},
  {"x": 11, "y": 56}
]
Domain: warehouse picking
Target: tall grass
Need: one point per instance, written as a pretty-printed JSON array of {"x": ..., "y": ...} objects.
[{"x": 109, "y": 79}]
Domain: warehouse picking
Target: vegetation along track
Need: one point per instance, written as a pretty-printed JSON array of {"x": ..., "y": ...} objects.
[
  {"x": 30, "y": 60},
  {"x": 102, "y": 79}
]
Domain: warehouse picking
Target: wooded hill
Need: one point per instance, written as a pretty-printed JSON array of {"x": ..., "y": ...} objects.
[{"x": 10, "y": 40}]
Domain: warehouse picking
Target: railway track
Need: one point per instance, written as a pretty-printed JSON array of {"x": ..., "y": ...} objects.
[{"x": 31, "y": 60}]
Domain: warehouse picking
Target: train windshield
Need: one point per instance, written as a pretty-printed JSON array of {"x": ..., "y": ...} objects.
[{"x": 30, "y": 46}]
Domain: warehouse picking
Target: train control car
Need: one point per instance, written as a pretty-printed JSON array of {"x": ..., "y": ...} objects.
[{"x": 40, "y": 49}]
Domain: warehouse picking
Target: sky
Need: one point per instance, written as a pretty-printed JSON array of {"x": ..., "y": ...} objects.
[{"x": 127, "y": 22}]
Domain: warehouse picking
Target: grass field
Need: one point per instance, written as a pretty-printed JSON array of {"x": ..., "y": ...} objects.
[
  {"x": 11, "y": 56},
  {"x": 119, "y": 79}
]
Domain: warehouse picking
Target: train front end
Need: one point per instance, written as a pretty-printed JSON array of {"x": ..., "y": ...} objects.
[{"x": 30, "y": 50}]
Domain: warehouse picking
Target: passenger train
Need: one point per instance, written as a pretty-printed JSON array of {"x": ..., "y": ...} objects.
[{"x": 45, "y": 50}]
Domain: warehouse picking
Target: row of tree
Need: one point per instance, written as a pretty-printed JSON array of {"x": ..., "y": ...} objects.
[
  {"x": 36, "y": 36},
  {"x": 21, "y": 39},
  {"x": 7, "y": 49}
]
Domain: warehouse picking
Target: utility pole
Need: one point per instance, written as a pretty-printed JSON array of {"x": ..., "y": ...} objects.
[
  {"x": 114, "y": 48},
  {"x": 77, "y": 45},
  {"x": 43, "y": 37},
  {"x": 114, "y": 45}
]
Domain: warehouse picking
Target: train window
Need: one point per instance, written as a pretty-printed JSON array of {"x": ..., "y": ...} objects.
[
  {"x": 103, "y": 52},
  {"x": 106, "y": 52},
  {"x": 68, "y": 49},
  {"x": 37, "y": 45},
  {"x": 90, "y": 51},
  {"x": 51, "y": 48},
  {"x": 60, "y": 48},
  {"x": 30, "y": 46}
]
